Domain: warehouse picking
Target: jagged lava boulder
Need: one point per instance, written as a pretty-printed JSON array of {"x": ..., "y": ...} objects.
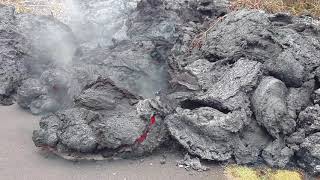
[{"x": 106, "y": 119}]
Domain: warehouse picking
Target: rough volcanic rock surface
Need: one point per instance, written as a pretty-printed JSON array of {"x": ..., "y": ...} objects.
[
  {"x": 253, "y": 139},
  {"x": 30, "y": 46},
  {"x": 106, "y": 119},
  {"x": 263, "y": 66},
  {"x": 52, "y": 42},
  {"x": 13, "y": 49},
  {"x": 30, "y": 90},
  {"x": 53, "y": 90},
  {"x": 277, "y": 40},
  {"x": 130, "y": 64},
  {"x": 192, "y": 163},
  {"x": 64, "y": 68},
  {"x": 309, "y": 119},
  {"x": 270, "y": 107},
  {"x": 208, "y": 125},
  {"x": 152, "y": 21},
  {"x": 277, "y": 154},
  {"x": 69, "y": 128},
  {"x": 308, "y": 156},
  {"x": 126, "y": 123},
  {"x": 96, "y": 23},
  {"x": 241, "y": 85}
]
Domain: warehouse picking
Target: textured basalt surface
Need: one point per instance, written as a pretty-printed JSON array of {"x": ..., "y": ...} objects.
[{"x": 240, "y": 85}]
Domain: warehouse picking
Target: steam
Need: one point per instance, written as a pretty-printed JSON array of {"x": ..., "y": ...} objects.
[
  {"x": 96, "y": 22},
  {"x": 86, "y": 24},
  {"x": 90, "y": 23},
  {"x": 59, "y": 46}
]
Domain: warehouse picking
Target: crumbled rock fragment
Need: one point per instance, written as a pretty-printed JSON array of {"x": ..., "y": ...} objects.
[{"x": 192, "y": 163}]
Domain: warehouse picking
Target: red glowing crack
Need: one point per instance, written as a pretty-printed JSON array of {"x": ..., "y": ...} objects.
[{"x": 143, "y": 137}]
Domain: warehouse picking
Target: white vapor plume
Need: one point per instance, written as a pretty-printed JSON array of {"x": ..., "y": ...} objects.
[{"x": 96, "y": 22}]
